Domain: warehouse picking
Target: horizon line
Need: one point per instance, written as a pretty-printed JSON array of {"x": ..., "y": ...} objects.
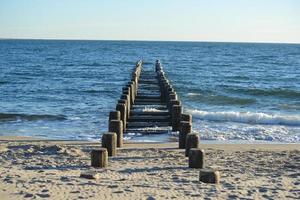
[{"x": 146, "y": 40}]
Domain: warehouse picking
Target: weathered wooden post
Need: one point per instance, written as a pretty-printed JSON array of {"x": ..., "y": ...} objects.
[
  {"x": 164, "y": 90},
  {"x": 176, "y": 114},
  {"x": 116, "y": 126},
  {"x": 196, "y": 158},
  {"x": 171, "y": 97},
  {"x": 192, "y": 141},
  {"x": 173, "y": 103},
  {"x": 122, "y": 108},
  {"x": 127, "y": 102},
  {"x": 186, "y": 118},
  {"x": 127, "y": 91},
  {"x": 185, "y": 128},
  {"x": 170, "y": 90},
  {"x": 127, "y": 97},
  {"x": 135, "y": 80},
  {"x": 99, "y": 158},
  {"x": 209, "y": 176},
  {"x": 109, "y": 141},
  {"x": 132, "y": 91},
  {"x": 114, "y": 115}
]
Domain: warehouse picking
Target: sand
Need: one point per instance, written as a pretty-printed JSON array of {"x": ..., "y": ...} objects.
[{"x": 43, "y": 169}]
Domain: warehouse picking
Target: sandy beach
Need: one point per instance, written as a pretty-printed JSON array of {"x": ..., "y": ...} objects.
[{"x": 44, "y": 169}]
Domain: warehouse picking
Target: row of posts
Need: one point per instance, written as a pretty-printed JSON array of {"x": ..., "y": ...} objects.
[
  {"x": 180, "y": 122},
  {"x": 117, "y": 121},
  {"x": 183, "y": 124}
]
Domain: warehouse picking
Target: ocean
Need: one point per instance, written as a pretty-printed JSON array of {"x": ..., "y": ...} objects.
[{"x": 236, "y": 92}]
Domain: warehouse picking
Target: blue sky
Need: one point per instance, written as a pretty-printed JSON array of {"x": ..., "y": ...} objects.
[{"x": 192, "y": 20}]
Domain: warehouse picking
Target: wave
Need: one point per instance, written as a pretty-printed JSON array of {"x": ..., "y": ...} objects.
[
  {"x": 287, "y": 93},
  {"x": 27, "y": 117},
  {"x": 97, "y": 64},
  {"x": 247, "y": 117},
  {"x": 92, "y": 91},
  {"x": 3, "y": 82},
  {"x": 220, "y": 99},
  {"x": 151, "y": 110}
]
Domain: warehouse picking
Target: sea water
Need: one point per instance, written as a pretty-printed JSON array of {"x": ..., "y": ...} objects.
[{"x": 235, "y": 91}]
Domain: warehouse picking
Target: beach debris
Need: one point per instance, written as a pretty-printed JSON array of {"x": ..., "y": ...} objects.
[
  {"x": 192, "y": 141},
  {"x": 109, "y": 141},
  {"x": 99, "y": 157},
  {"x": 89, "y": 175},
  {"x": 196, "y": 158},
  {"x": 209, "y": 176}
]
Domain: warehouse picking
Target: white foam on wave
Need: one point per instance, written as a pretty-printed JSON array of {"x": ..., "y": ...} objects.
[
  {"x": 146, "y": 109},
  {"x": 192, "y": 94},
  {"x": 247, "y": 117}
]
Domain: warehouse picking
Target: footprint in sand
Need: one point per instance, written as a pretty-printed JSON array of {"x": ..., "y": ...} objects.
[
  {"x": 43, "y": 195},
  {"x": 28, "y": 195}
]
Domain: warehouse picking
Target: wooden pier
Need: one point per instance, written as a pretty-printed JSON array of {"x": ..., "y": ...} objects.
[{"x": 148, "y": 103}]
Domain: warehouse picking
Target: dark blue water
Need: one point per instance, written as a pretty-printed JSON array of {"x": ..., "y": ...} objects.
[{"x": 65, "y": 89}]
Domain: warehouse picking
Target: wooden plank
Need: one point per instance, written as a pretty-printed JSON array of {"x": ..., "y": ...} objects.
[
  {"x": 147, "y": 97},
  {"x": 136, "y": 107},
  {"x": 160, "y": 130},
  {"x": 149, "y": 118},
  {"x": 145, "y": 113},
  {"x": 149, "y": 103},
  {"x": 137, "y": 100},
  {"x": 147, "y": 124},
  {"x": 148, "y": 80}
]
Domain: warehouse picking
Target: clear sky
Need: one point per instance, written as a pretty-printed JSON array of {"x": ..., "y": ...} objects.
[{"x": 192, "y": 20}]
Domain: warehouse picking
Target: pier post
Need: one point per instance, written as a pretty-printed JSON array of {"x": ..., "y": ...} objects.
[
  {"x": 186, "y": 118},
  {"x": 125, "y": 101},
  {"x": 114, "y": 115},
  {"x": 196, "y": 158},
  {"x": 116, "y": 126},
  {"x": 127, "y": 97},
  {"x": 176, "y": 114},
  {"x": 164, "y": 91},
  {"x": 109, "y": 141},
  {"x": 122, "y": 108},
  {"x": 170, "y": 97},
  {"x": 173, "y": 103},
  {"x": 185, "y": 129},
  {"x": 209, "y": 176},
  {"x": 131, "y": 92},
  {"x": 192, "y": 141},
  {"x": 135, "y": 80},
  {"x": 99, "y": 158}
]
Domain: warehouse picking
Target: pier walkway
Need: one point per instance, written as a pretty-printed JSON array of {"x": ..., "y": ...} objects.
[{"x": 148, "y": 105}]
